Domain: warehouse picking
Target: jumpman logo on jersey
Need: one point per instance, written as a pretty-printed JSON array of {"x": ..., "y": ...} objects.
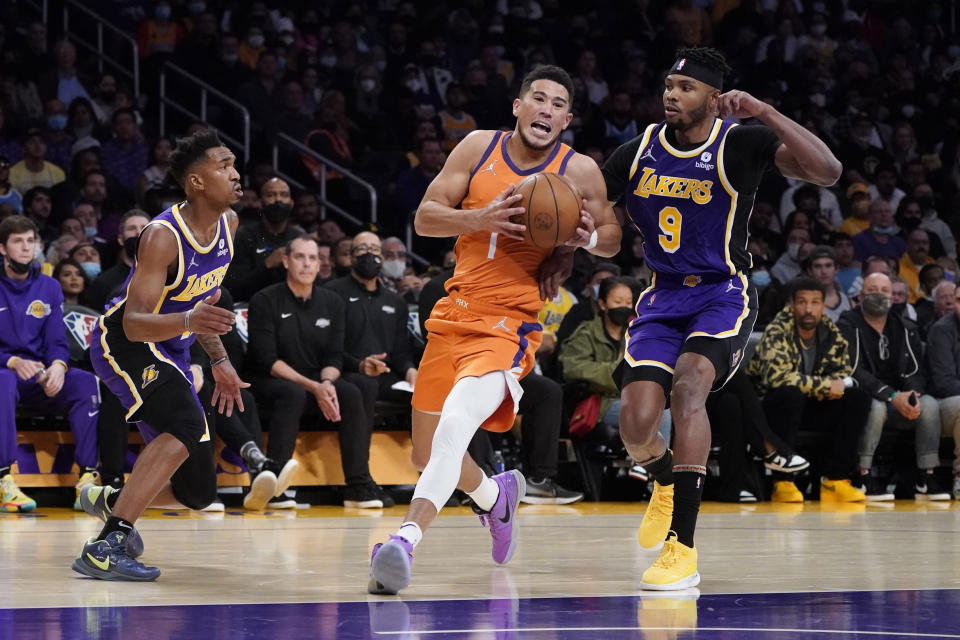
[
  {"x": 193, "y": 262},
  {"x": 730, "y": 287},
  {"x": 489, "y": 168},
  {"x": 648, "y": 154},
  {"x": 502, "y": 325}
]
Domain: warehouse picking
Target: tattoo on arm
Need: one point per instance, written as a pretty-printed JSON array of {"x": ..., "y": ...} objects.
[{"x": 212, "y": 345}]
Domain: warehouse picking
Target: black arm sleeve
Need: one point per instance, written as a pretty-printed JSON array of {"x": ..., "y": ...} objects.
[
  {"x": 750, "y": 150},
  {"x": 616, "y": 170}
]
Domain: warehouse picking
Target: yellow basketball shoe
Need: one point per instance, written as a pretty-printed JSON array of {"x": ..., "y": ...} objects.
[
  {"x": 656, "y": 520},
  {"x": 786, "y": 491},
  {"x": 840, "y": 491},
  {"x": 87, "y": 479},
  {"x": 674, "y": 569},
  {"x": 13, "y": 500}
]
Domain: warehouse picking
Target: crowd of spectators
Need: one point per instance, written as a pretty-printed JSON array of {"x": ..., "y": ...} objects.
[{"x": 387, "y": 89}]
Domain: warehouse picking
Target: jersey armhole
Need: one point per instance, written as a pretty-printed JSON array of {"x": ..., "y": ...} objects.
[
  {"x": 180, "y": 267},
  {"x": 643, "y": 144}
]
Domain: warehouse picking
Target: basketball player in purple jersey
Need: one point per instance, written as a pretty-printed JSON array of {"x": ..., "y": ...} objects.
[
  {"x": 689, "y": 183},
  {"x": 141, "y": 350}
]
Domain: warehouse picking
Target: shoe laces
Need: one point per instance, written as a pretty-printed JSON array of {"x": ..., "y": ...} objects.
[{"x": 670, "y": 554}]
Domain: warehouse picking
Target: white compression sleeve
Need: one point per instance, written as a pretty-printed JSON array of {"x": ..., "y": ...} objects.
[{"x": 470, "y": 402}]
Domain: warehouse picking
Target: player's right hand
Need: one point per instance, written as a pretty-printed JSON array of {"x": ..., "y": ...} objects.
[
  {"x": 206, "y": 318},
  {"x": 26, "y": 369},
  {"x": 495, "y": 217}
]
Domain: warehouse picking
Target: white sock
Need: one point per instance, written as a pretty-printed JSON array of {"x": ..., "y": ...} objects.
[
  {"x": 411, "y": 532},
  {"x": 485, "y": 496}
]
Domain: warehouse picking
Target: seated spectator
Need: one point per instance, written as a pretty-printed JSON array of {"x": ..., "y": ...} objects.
[
  {"x": 411, "y": 185},
  {"x": 125, "y": 156},
  {"x": 156, "y": 173},
  {"x": 942, "y": 303},
  {"x": 306, "y": 212},
  {"x": 884, "y": 186},
  {"x": 34, "y": 353},
  {"x": 160, "y": 34},
  {"x": 296, "y": 348},
  {"x": 59, "y": 250},
  {"x": 821, "y": 266},
  {"x": 827, "y": 205},
  {"x": 397, "y": 275},
  {"x": 932, "y": 221},
  {"x": 930, "y": 276},
  {"x": 880, "y": 239},
  {"x": 914, "y": 258},
  {"x": 325, "y": 267},
  {"x": 65, "y": 83},
  {"x": 340, "y": 253},
  {"x": 261, "y": 95},
  {"x": 859, "y": 219},
  {"x": 108, "y": 284},
  {"x": 377, "y": 351},
  {"x": 787, "y": 266},
  {"x": 899, "y": 299},
  {"x": 9, "y": 195},
  {"x": 82, "y": 122},
  {"x": 909, "y": 216},
  {"x": 73, "y": 281},
  {"x": 800, "y": 367},
  {"x": 86, "y": 255},
  {"x": 586, "y": 307},
  {"x": 86, "y": 158},
  {"x": 885, "y": 356},
  {"x": 454, "y": 121},
  {"x": 330, "y": 231},
  {"x": 34, "y": 170},
  {"x": 551, "y": 315},
  {"x": 37, "y": 205},
  {"x": 848, "y": 267},
  {"x": 258, "y": 249},
  {"x": 943, "y": 358},
  {"x": 59, "y": 142}
]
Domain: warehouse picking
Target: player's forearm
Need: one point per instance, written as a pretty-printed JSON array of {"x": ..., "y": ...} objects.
[
  {"x": 608, "y": 241},
  {"x": 151, "y": 327},
  {"x": 817, "y": 162},
  {"x": 436, "y": 220},
  {"x": 213, "y": 346}
]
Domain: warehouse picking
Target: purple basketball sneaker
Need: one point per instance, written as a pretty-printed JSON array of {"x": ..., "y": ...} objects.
[
  {"x": 390, "y": 566},
  {"x": 502, "y": 518}
]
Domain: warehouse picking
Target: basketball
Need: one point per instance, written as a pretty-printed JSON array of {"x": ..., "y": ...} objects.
[{"x": 552, "y": 206}]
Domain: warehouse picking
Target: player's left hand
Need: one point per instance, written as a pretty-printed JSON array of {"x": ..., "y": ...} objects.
[
  {"x": 227, "y": 389},
  {"x": 52, "y": 379},
  {"x": 740, "y": 104},
  {"x": 581, "y": 237},
  {"x": 553, "y": 271}
]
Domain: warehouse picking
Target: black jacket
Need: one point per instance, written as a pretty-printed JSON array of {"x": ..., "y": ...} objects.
[
  {"x": 306, "y": 334},
  {"x": 376, "y": 322},
  {"x": 943, "y": 356},
  {"x": 907, "y": 344},
  {"x": 248, "y": 272}
]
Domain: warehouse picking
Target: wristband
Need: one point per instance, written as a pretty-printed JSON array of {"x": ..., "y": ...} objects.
[
  {"x": 893, "y": 394},
  {"x": 593, "y": 241},
  {"x": 219, "y": 361},
  {"x": 186, "y": 321}
]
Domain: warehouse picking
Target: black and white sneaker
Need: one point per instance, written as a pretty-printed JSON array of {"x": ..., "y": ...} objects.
[
  {"x": 363, "y": 496},
  {"x": 875, "y": 489},
  {"x": 747, "y": 496},
  {"x": 779, "y": 462},
  {"x": 928, "y": 488},
  {"x": 637, "y": 472},
  {"x": 546, "y": 491}
]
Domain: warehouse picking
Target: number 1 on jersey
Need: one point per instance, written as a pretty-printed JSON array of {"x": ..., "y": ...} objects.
[{"x": 670, "y": 220}]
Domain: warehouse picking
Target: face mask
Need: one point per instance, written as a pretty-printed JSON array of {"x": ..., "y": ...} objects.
[
  {"x": 255, "y": 41},
  {"x": 196, "y": 8},
  {"x": 761, "y": 278},
  {"x": 898, "y": 309},
  {"x": 619, "y": 316},
  {"x": 58, "y": 122},
  {"x": 367, "y": 85},
  {"x": 286, "y": 39},
  {"x": 793, "y": 250},
  {"x": 818, "y": 29},
  {"x": 328, "y": 61},
  {"x": 925, "y": 202},
  {"x": 230, "y": 58},
  {"x": 412, "y": 84},
  {"x": 130, "y": 246},
  {"x": 162, "y": 12},
  {"x": 908, "y": 110},
  {"x": 367, "y": 265},
  {"x": 92, "y": 269},
  {"x": 18, "y": 268},
  {"x": 887, "y": 231},
  {"x": 875, "y": 304},
  {"x": 277, "y": 212},
  {"x": 90, "y": 231},
  {"x": 394, "y": 269}
]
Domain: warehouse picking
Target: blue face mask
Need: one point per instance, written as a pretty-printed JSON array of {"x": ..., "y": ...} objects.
[
  {"x": 887, "y": 231},
  {"x": 90, "y": 231},
  {"x": 57, "y": 123},
  {"x": 162, "y": 12},
  {"x": 760, "y": 278},
  {"x": 92, "y": 269}
]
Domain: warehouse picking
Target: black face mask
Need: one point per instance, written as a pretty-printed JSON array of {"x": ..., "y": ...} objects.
[
  {"x": 910, "y": 223},
  {"x": 619, "y": 316},
  {"x": 277, "y": 212},
  {"x": 367, "y": 265},
  {"x": 18, "y": 268},
  {"x": 925, "y": 202},
  {"x": 898, "y": 309},
  {"x": 130, "y": 246}
]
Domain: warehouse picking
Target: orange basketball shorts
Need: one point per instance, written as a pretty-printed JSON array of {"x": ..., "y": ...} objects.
[{"x": 467, "y": 339}]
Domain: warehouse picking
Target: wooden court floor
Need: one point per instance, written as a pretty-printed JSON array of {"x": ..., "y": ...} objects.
[{"x": 307, "y": 570}]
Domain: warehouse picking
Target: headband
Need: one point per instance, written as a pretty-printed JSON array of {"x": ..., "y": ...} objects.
[{"x": 698, "y": 71}]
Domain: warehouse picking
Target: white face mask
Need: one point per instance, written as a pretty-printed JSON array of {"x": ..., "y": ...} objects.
[
  {"x": 394, "y": 269},
  {"x": 255, "y": 41},
  {"x": 793, "y": 250},
  {"x": 367, "y": 85},
  {"x": 818, "y": 29}
]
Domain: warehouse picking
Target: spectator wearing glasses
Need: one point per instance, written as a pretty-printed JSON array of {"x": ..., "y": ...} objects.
[
  {"x": 886, "y": 352},
  {"x": 943, "y": 358}
]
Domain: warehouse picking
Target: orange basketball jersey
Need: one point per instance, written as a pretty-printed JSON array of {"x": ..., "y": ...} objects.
[{"x": 493, "y": 270}]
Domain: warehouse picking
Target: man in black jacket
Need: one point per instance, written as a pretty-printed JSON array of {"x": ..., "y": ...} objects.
[
  {"x": 886, "y": 352},
  {"x": 107, "y": 285},
  {"x": 296, "y": 331},
  {"x": 377, "y": 351},
  {"x": 258, "y": 249},
  {"x": 943, "y": 357}
]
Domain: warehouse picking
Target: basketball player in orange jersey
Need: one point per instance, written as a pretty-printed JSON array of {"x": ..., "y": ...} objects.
[{"x": 483, "y": 336}]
